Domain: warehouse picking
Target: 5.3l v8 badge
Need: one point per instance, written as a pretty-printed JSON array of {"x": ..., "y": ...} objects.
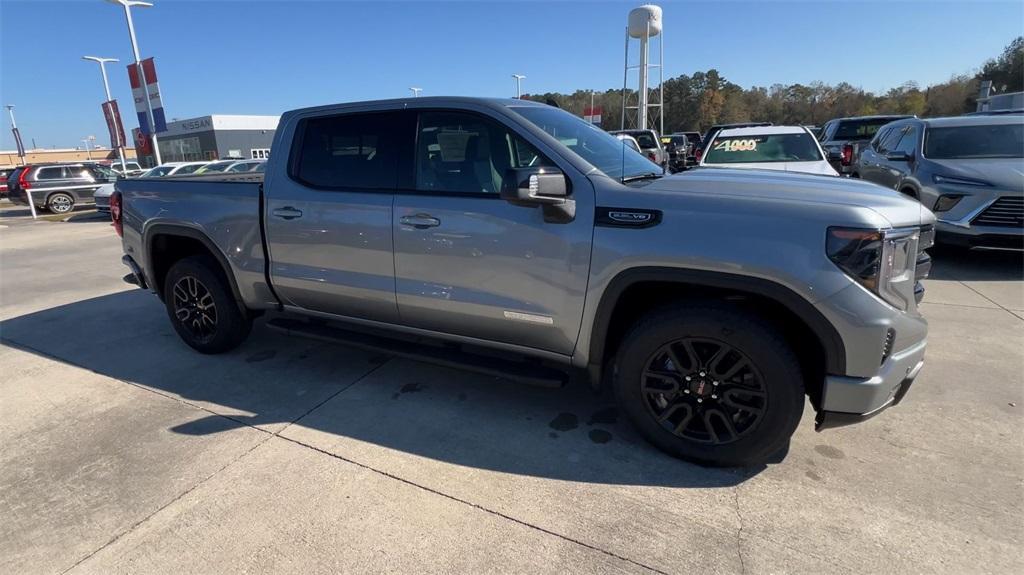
[{"x": 627, "y": 217}]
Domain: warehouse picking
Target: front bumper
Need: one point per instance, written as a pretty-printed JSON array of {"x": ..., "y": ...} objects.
[
  {"x": 955, "y": 234},
  {"x": 873, "y": 395}
]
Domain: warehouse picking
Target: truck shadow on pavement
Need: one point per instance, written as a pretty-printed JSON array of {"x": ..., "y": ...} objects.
[{"x": 338, "y": 399}]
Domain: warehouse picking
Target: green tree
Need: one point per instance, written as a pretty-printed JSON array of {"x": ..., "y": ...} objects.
[{"x": 1007, "y": 71}]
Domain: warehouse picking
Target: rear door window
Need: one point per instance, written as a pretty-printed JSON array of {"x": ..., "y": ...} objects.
[
  {"x": 645, "y": 139},
  {"x": 357, "y": 151},
  {"x": 51, "y": 173},
  {"x": 859, "y": 129}
]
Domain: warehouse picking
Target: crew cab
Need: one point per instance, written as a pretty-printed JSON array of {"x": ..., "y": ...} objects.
[{"x": 513, "y": 238}]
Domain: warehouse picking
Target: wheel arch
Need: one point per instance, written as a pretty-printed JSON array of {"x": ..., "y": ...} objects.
[
  {"x": 638, "y": 290},
  {"x": 165, "y": 244}
]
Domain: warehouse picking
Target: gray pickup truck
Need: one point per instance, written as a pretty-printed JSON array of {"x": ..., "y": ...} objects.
[
  {"x": 843, "y": 139},
  {"x": 513, "y": 238}
]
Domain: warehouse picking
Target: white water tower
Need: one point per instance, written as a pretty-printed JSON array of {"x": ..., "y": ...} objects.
[{"x": 644, "y": 24}]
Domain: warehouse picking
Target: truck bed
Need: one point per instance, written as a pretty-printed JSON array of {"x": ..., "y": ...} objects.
[{"x": 223, "y": 211}]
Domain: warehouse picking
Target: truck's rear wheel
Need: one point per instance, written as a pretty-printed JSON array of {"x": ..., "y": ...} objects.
[
  {"x": 202, "y": 307},
  {"x": 710, "y": 384}
]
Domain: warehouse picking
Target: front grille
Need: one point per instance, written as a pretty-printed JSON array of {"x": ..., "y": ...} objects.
[{"x": 1006, "y": 212}]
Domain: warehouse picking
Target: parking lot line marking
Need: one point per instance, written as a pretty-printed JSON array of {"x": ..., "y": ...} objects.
[
  {"x": 1000, "y": 306},
  {"x": 475, "y": 506}
]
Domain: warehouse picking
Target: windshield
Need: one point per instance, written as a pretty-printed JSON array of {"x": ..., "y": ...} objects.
[
  {"x": 214, "y": 167},
  {"x": 965, "y": 142},
  {"x": 860, "y": 129},
  {"x": 601, "y": 149},
  {"x": 158, "y": 171},
  {"x": 763, "y": 148},
  {"x": 185, "y": 170},
  {"x": 105, "y": 172}
]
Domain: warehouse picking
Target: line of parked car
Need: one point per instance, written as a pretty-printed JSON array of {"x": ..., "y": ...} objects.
[
  {"x": 60, "y": 187},
  {"x": 968, "y": 170}
]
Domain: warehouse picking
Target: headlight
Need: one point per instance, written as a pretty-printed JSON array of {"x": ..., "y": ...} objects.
[
  {"x": 958, "y": 181},
  {"x": 881, "y": 261}
]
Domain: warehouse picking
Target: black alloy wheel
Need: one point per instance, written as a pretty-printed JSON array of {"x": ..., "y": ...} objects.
[
  {"x": 195, "y": 309},
  {"x": 704, "y": 390}
]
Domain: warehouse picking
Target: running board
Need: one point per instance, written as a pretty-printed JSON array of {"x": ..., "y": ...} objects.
[{"x": 446, "y": 355}]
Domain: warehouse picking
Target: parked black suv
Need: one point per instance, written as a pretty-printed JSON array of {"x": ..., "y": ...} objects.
[{"x": 58, "y": 187}]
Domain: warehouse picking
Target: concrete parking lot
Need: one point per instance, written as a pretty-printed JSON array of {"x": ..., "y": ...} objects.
[{"x": 125, "y": 451}]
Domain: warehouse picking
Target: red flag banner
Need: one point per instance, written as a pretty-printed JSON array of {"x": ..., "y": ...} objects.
[{"x": 114, "y": 125}]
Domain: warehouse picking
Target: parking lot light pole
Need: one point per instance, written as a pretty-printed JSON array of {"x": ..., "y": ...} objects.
[
  {"x": 14, "y": 126},
  {"x": 415, "y": 91},
  {"x": 138, "y": 64},
  {"x": 106, "y": 89},
  {"x": 28, "y": 193},
  {"x": 519, "y": 85}
]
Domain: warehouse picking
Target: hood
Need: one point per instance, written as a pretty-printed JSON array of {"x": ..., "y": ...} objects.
[
  {"x": 1006, "y": 173},
  {"x": 895, "y": 207},
  {"x": 820, "y": 167}
]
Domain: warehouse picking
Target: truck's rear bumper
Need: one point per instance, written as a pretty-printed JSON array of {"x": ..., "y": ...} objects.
[{"x": 137, "y": 277}]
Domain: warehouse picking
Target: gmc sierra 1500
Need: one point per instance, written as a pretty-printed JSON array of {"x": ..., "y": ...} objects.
[{"x": 514, "y": 238}]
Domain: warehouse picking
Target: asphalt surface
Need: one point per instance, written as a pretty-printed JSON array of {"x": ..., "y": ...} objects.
[{"x": 125, "y": 451}]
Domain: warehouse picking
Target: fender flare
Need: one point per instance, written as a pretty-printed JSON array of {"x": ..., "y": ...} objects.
[
  {"x": 191, "y": 233},
  {"x": 831, "y": 342}
]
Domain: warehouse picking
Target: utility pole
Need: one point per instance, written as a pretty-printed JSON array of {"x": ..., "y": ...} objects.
[
  {"x": 138, "y": 64},
  {"x": 106, "y": 90},
  {"x": 88, "y": 150},
  {"x": 415, "y": 91},
  {"x": 519, "y": 85},
  {"x": 17, "y": 136}
]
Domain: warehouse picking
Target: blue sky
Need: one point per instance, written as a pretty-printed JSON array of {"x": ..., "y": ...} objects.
[{"x": 265, "y": 57}]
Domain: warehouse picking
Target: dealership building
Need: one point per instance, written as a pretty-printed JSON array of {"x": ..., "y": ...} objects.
[{"x": 212, "y": 137}]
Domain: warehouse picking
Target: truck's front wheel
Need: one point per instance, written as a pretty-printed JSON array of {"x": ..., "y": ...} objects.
[
  {"x": 711, "y": 384},
  {"x": 201, "y": 306}
]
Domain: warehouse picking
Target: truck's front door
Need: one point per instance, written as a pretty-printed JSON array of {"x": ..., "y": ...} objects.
[
  {"x": 468, "y": 262},
  {"x": 328, "y": 219}
]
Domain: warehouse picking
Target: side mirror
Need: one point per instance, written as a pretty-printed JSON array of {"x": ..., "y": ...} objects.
[
  {"x": 898, "y": 157},
  {"x": 546, "y": 187},
  {"x": 835, "y": 157}
]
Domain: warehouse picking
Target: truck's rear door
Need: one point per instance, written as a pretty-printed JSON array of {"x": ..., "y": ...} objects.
[{"x": 328, "y": 215}]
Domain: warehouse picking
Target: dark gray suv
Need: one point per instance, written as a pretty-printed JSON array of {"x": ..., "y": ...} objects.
[
  {"x": 968, "y": 170},
  {"x": 58, "y": 187}
]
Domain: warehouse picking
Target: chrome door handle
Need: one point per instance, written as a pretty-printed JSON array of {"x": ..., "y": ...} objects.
[
  {"x": 420, "y": 221},
  {"x": 287, "y": 213}
]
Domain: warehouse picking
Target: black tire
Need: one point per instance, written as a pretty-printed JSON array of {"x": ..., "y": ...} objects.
[
  {"x": 60, "y": 203},
  {"x": 191, "y": 286},
  {"x": 768, "y": 359}
]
